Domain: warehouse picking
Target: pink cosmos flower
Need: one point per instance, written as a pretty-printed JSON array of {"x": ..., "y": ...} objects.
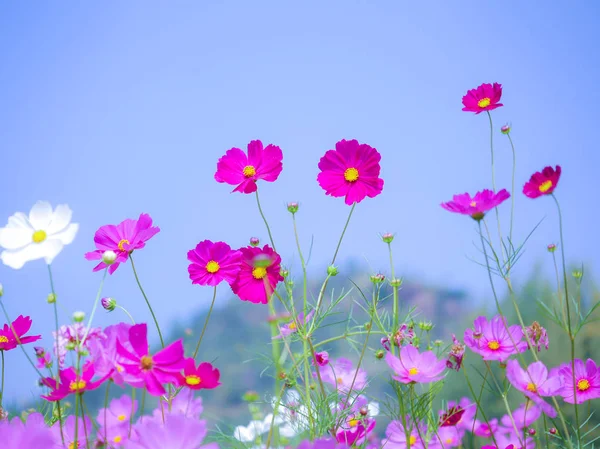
[
  {"x": 182, "y": 404},
  {"x": 33, "y": 433},
  {"x": 322, "y": 358},
  {"x": 151, "y": 371},
  {"x": 205, "y": 376},
  {"x": 20, "y": 326},
  {"x": 512, "y": 441},
  {"x": 535, "y": 383},
  {"x": 84, "y": 427},
  {"x": 587, "y": 381},
  {"x": 71, "y": 383},
  {"x": 459, "y": 414},
  {"x": 542, "y": 183},
  {"x": 341, "y": 374},
  {"x": 415, "y": 367},
  {"x": 405, "y": 334},
  {"x": 476, "y": 206},
  {"x": 355, "y": 431},
  {"x": 397, "y": 435},
  {"x": 213, "y": 263},
  {"x": 259, "y": 274},
  {"x": 457, "y": 353},
  {"x": 115, "y": 436},
  {"x": 351, "y": 170},
  {"x": 122, "y": 239},
  {"x": 106, "y": 359},
  {"x": 177, "y": 431},
  {"x": 290, "y": 328},
  {"x": 524, "y": 416},
  {"x": 70, "y": 337},
  {"x": 493, "y": 341},
  {"x": 243, "y": 171},
  {"x": 322, "y": 443},
  {"x": 447, "y": 437},
  {"x": 119, "y": 412},
  {"x": 485, "y": 98},
  {"x": 485, "y": 430}
]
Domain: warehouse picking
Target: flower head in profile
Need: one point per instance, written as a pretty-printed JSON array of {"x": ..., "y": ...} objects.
[
  {"x": 322, "y": 358},
  {"x": 14, "y": 335},
  {"x": 34, "y": 433},
  {"x": 352, "y": 171},
  {"x": 259, "y": 274},
  {"x": 537, "y": 336},
  {"x": 535, "y": 382},
  {"x": 456, "y": 355},
  {"x": 241, "y": 170},
  {"x": 150, "y": 371},
  {"x": 122, "y": 240},
  {"x": 494, "y": 339},
  {"x": 460, "y": 414},
  {"x": 71, "y": 338},
  {"x": 478, "y": 205},
  {"x": 40, "y": 235},
  {"x": 72, "y": 383},
  {"x": 290, "y": 328},
  {"x": 213, "y": 263},
  {"x": 542, "y": 183},
  {"x": 415, "y": 367},
  {"x": 342, "y": 375},
  {"x": 205, "y": 376},
  {"x": 587, "y": 381},
  {"x": 176, "y": 431},
  {"x": 484, "y": 98},
  {"x": 355, "y": 431}
]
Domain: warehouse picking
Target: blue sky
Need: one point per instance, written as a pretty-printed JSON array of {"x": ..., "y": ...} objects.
[{"x": 118, "y": 108}]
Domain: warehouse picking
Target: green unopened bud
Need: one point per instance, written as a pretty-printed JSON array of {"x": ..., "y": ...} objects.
[
  {"x": 577, "y": 274},
  {"x": 416, "y": 341},
  {"x": 367, "y": 326},
  {"x": 505, "y": 129},
  {"x": 438, "y": 343},
  {"x": 332, "y": 270},
  {"x": 292, "y": 207},
  {"x": 387, "y": 237},
  {"x": 83, "y": 352},
  {"x": 284, "y": 273},
  {"x": 377, "y": 278},
  {"x": 379, "y": 354},
  {"x": 79, "y": 316},
  {"x": 109, "y": 257},
  {"x": 290, "y": 282},
  {"x": 425, "y": 325},
  {"x": 551, "y": 247},
  {"x": 51, "y": 299},
  {"x": 1, "y": 290},
  {"x": 70, "y": 346},
  {"x": 396, "y": 282},
  {"x": 250, "y": 396}
]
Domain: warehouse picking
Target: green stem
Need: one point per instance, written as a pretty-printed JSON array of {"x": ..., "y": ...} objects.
[
  {"x": 512, "y": 192},
  {"x": 126, "y": 313},
  {"x": 162, "y": 342},
  {"x": 85, "y": 432},
  {"x": 106, "y": 395},
  {"x": 343, "y": 232},
  {"x": 55, "y": 320},
  {"x": 91, "y": 319},
  {"x": 478, "y": 402},
  {"x": 504, "y": 400},
  {"x": 2, "y": 386},
  {"x": 395, "y": 310},
  {"x": 492, "y": 150},
  {"x": 212, "y": 304},
  {"x": 265, "y": 220}
]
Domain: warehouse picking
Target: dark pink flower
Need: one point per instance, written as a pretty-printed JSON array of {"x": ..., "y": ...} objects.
[
  {"x": 587, "y": 381},
  {"x": 151, "y": 370},
  {"x": 14, "y": 335},
  {"x": 343, "y": 375},
  {"x": 535, "y": 383},
  {"x": 122, "y": 239},
  {"x": 205, "y": 376},
  {"x": 542, "y": 183},
  {"x": 414, "y": 367},
  {"x": 71, "y": 383},
  {"x": 243, "y": 171},
  {"x": 485, "y": 98},
  {"x": 351, "y": 170},
  {"x": 495, "y": 340},
  {"x": 537, "y": 335},
  {"x": 355, "y": 431},
  {"x": 476, "y": 206},
  {"x": 213, "y": 263},
  {"x": 457, "y": 353},
  {"x": 322, "y": 358},
  {"x": 259, "y": 274}
]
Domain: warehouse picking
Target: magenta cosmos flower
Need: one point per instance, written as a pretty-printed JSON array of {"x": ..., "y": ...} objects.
[
  {"x": 494, "y": 340},
  {"x": 14, "y": 335},
  {"x": 71, "y": 383},
  {"x": 415, "y": 367},
  {"x": 122, "y": 240},
  {"x": 259, "y": 274},
  {"x": 213, "y": 263},
  {"x": 33, "y": 433},
  {"x": 485, "y": 98},
  {"x": 205, "y": 376},
  {"x": 241, "y": 170},
  {"x": 542, "y": 183},
  {"x": 322, "y": 358},
  {"x": 535, "y": 383},
  {"x": 587, "y": 381},
  {"x": 341, "y": 374},
  {"x": 351, "y": 170},
  {"x": 148, "y": 370},
  {"x": 476, "y": 206},
  {"x": 176, "y": 431}
]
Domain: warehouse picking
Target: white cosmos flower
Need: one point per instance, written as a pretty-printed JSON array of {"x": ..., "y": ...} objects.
[
  {"x": 255, "y": 428},
  {"x": 42, "y": 234}
]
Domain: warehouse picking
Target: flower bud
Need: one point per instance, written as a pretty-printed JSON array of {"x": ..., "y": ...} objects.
[
  {"x": 552, "y": 430},
  {"x": 425, "y": 325},
  {"x": 577, "y": 274},
  {"x": 284, "y": 273},
  {"x": 364, "y": 411},
  {"x": 3, "y": 414},
  {"x": 290, "y": 283},
  {"x": 322, "y": 358},
  {"x": 292, "y": 207},
  {"x": 396, "y": 282},
  {"x": 438, "y": 343},
  {"x": 377, "y": 278},
  {"x": 532, "y": 432},
  {"x": 379, "y": 354},
  {"x": 551, "y": 247},
  {"x": 109, "y": 257},
  {"x": 250, "y": 396},
  {"x": 51, "y": 299},
  {"x": 387, "y": 237},
  {"x": 1, "y": 290},
  {"x": 70, "y": 346},
  {"x": 332, "y": 270},
  {"x": 505, "y": 129},
  {"x": 254, "y": 241},
  {"x": 39, "y": 351},
  {"x": 79, "y": 316},
  {"x": 367, "y": 325},
  {"x": 109, "y": 304}
]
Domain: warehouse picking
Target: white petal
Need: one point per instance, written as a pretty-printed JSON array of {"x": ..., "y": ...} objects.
[
  {"x": 373, "y": 408},
  {"x": 244, "y": 434},
  {"x": 40, "y": 215},
  {"x": 52, "y": 248},
  {"x": 287, "y": 431},
  {"x": 15, "y": 238},
  {"x": 67, "y": 235},
  {"x": 60, "y": 219},
  {"x": 19, "y": 220},
  {"x": 47, "y": 249}
]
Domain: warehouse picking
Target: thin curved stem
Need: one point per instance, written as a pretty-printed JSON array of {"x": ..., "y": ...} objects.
[
  {"x": 492, "y": 150},
  {"x": 512, "y": 192},
  {"x": 2, "y": 386},
  {"x": 126, "y": 313},
  {"x": 343, "y": 232},
  {"x": 91, "y": 319},
  {"x": 265, "y": 220},
  {"x": 55, "y": 318},
  {"x": 212, "y": 304},
  {"x": 162, "y": 342}
]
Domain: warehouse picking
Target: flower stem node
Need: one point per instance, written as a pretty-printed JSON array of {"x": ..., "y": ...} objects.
[
  {"x": 109, "y": 257},
  {"x": 367, "y": 326},
  {"x": 79, "y": 316},
  {"x": 254, "y": 241},
  {"x": 332, "y": 270},
  {"x": 292, "y": 207},
  {"x": 387, "y": 237},
  {"x": 51, "y": 299},
  {"x": 109, "y": 304}
]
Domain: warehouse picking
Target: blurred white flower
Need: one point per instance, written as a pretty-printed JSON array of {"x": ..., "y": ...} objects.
[
  {"x": 255, "y": 428},
  {"x": 41, "y": 235}
]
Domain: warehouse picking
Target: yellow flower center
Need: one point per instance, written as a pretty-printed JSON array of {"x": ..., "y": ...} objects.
[
  {"x": 3, "y": 339},
  {"x": 545, "y": 186},
  {"x": 531, "y": 387},
  {"x": 583, "y": 385},
  {"x": 146, "y": 362},
  {"x": 494, "y": 345},
  {"x": 123, "y": 242},
  {"x": 121, "y": 417},
  {"x": 473, "y": 204},
  {"x": 449, "y": 440},
  {"x": 212, "y": 266},
  {"x": 412, "y": 440},
  {"x": 74, "y": 445},
  {"x": 353, "y": 422},
  {"x": 119, "y": 368},
  {"x": 339, "y": 380},
  {"x": 259, "y": 272},
  {"x": 249, "y": 171},
  {"x": 292, "y": 326},
  {"x": 351, "y": 174},
  {"x": 484, "y": 102},
  {"x": 413, "y": 371},
  {"x": 39, "y": 236},
  {"x": 192, "y": 380},
  {"x": 117, "y": 439},
  {"x": 77, "y": 385}
]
